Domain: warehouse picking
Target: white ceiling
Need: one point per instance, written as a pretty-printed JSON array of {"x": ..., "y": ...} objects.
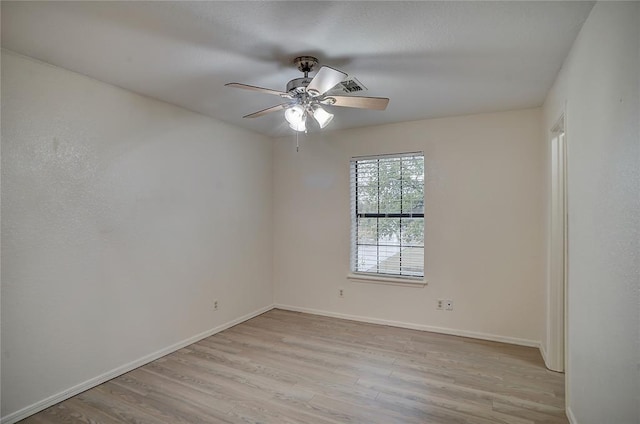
[{"x": 432, "y": 59}]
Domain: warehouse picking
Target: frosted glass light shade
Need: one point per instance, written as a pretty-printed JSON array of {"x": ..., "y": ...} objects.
[
  {"x": 300, "y": 126},
  {"x": 322, "y": 116},
  {"x": 294, "y": 115}
]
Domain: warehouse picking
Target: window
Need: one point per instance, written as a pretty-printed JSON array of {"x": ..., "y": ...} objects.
[{"x": 387, "y": 215}]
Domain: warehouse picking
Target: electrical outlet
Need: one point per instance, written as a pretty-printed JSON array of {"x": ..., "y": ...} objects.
[
  {"x": 215, "y": 305},
  {"x": 439, "y": 304},
  {"x": 341, "y": 293},
  {"x": 448, "y": 305}
]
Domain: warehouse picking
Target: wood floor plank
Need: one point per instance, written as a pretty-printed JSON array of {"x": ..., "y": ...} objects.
[{"x": 287, "y": 367}]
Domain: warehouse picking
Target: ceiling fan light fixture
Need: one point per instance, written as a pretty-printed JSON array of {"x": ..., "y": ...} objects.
[
  {"x": 296, "y": 117},
  {"x": 300, "y": 126},
  {"x": 322, "y": 116}
]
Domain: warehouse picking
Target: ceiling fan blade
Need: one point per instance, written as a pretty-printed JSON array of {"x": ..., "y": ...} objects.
[
  {"x": 325, "y": 79},
  {"x": 267, "y": 110},
  {"x": 259, "y": 89},
  {"x": 377, "y": 103}
]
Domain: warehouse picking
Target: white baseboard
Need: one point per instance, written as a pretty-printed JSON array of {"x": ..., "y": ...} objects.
[
  {"x": 412, "y": 326},
  {"x": 543, "y": 352},
  {"x": 571, "y": 417},
  {"x": 547, "y": 362},
  {"x": 79, "y": 388}
]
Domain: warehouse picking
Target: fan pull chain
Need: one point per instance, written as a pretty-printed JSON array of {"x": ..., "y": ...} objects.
[{"x": 297, "y": 142}]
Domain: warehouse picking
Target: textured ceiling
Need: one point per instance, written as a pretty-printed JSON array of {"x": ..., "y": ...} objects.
[{"x": 432, "y": 59}]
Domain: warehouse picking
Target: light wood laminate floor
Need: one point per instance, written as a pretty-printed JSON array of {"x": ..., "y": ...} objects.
[{"x": 289, "y": 367}]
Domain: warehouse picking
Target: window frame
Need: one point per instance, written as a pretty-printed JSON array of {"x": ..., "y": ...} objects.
[{"x": 381, "y": 277}]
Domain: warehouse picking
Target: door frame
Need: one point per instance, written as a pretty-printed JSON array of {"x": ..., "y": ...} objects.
[{"x": 558, "y": 226}]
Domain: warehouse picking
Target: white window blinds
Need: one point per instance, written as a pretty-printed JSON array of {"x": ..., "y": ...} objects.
[{"x": 387, "y": 215}]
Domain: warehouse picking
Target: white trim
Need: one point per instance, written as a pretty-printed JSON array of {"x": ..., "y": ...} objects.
[
  {"x": 543, "y": 352},
  {"x": 412, "y": 326},
  {"x": 79, "y": 388},
  {"x": 570, "y": 416},
  {"x": 383, "y": 279},
  {"x": 557, "y": 248}
]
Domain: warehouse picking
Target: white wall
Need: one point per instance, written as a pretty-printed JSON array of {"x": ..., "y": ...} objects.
[
  {"x": 599, "y": 84},
  {"x": 122, "y": 219},
  {"x": 484, "y": 225}
]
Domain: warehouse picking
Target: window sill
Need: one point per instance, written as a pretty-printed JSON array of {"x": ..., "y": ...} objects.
[{"x": 380, "y": 279}]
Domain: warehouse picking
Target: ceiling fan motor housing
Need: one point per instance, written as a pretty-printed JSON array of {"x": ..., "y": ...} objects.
[
  {"x": 298, "y": 85},
  {"x": 304, "y": 64}
]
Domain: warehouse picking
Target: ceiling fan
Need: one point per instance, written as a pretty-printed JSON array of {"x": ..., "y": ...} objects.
[{"x": 306, "y": 96}]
